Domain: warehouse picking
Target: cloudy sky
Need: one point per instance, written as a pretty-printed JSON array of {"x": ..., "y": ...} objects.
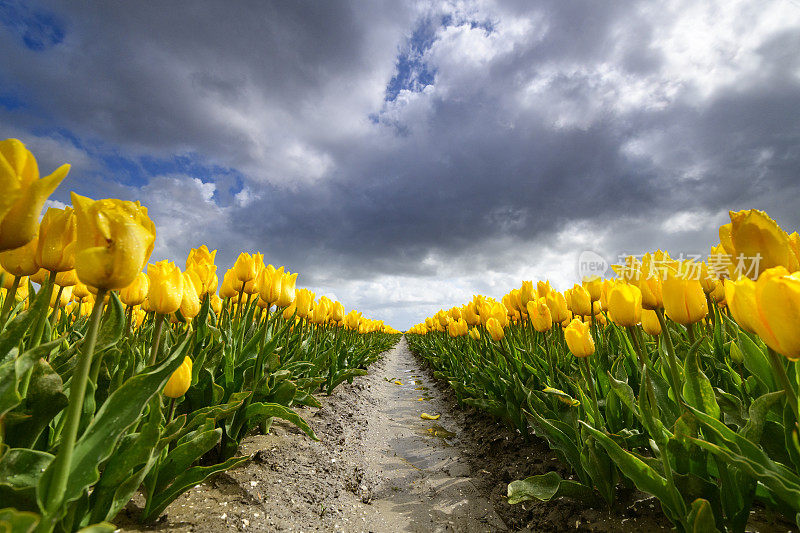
[{"x": 404, "y": 155}]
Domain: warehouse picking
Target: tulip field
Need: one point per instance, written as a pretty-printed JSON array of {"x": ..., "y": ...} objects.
[
  {"x": 676, "y": 377},
  {"x": 123, "y": 379},
  {"x": 119, "y": 377}
]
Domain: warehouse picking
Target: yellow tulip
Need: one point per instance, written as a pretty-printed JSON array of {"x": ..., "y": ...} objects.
[
  {"x": 594, "y": 286},
  {"x": 579, "y": 338},
  {"x": 650, "y": 322},
  {"x": 21, "y": 261},
  {"x": 216, "y": 304},
  {"x": 200, "y": 256},
  {"x": 80, "y": 291},
  {"x": 581, "y": 301},
  {"x": 68, "y": 278},
  {"x": 252, "y": 286},
  {"x": 115, "y": 240},
  {"x": 495, "y": 329},
  {"x": 539, "y": 314},
  {"x": 470, "y": 314},
  {"x": 338, "y": 312},
  {"x": 649, "y": 281},
  {"x": 23, "y": 193},
  {"x": 543, "y": 288},
  {"x": 684, "y": 299},
  {"x": 57, "y": 233},
  {"x": 165, "y": 293},
  {"x": 527, "y": 293},
  {"x": 229, "y": 283},
  {"x": 245, "y": 268},
  {"x": 136, "y": 292},
  {"x": 473, "y": 333},
  {"x": 40, "y": 276},
  {"x": 752, "y": 233},
  {"x": 288, "y": 291},
  {"x": 303, "y": 302},
  {"x": 204, "y": 277},
  {"x": 180, "y": 380},
  {"x": 270, "y": 285},
  {"x": 625, "y": 304},
  {"x": 190, "y": 303},
  {"x": 557, "y": 304},
  {"x": 66, "y": 296},
  {"x": 769, "y": 307},
  {"x": 351, "y": 320}
]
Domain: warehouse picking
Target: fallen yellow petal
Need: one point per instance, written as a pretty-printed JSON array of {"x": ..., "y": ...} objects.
[
  {"x": 426, "y": 416},
  {"x": 397, "y": 382}
]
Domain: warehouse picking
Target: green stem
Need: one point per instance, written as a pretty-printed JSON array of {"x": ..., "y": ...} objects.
[
  {"x": 156, "y": 338},
  {"x": 590, "y": 382},
  {"x": 671, "y": 359},
  {"x": 780, "y": 370},
  {"x": 11, "y": 295},
  {"x": 63, "y": 460},
  {"x": 47, "y": 292},
  {"x": 56, "y": 308}
]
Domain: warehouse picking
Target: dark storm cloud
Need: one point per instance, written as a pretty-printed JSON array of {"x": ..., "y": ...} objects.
[{"x": 360, "y": 142}]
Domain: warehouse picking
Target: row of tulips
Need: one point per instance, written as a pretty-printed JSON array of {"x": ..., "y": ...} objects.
[
  {"x": 676, "y": 377},
  {"x": 114, "y": 381}
]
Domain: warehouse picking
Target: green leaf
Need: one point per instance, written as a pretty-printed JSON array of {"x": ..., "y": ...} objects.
[
  {"x": 185, "y": 481},
  {"x": 701, "y": 517},
  {"x": 45, "y": 399},
  {"x": 113, "y": 325},
  {"x": 182, "y": 457},
  {"x": 758, "y": 415},
  {"x": 756, "y": 361},
  {"x": 546, "y": 487},
  {"x": 15, "y": 521},
  {"x": 697, "y": 389},
  {"x": 342, "y": 375},
  {"x": 260, "y": 411},
  {"x": 20, "y": 470},
  {"x": 120, "y": 411}
]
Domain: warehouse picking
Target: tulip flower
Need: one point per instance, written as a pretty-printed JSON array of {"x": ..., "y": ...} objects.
[
  {"x": 337, "y": 314},
  {"x": 80, "y": 291},
  {"x": 543, "y": 289},
  {"x": 557, "y": 304},
  {"x": 495, "y": 329},
  {"x": 165, "y": 293},
  {"x": 57, "y": 234},
  {"x": 594, "y": 286},
  {"x": 581, "y": 301},
  {"x": 21, "y": 261},
  {"x": 473, "y": 333},
  {"x": 180, "y": 380},
  {"x": 67, "y": 278},
  {"x": 304, "y": 300},
  {"x": 200, "y": 256},
  {"x": 684, "y": 299},
  {"x": 527, "y": 293},
  {"x": 650, "y": 322},
  {"x": 245, "y": 268},
  {"x": 252, "y": 286},
  {"x": 23, "y": 193},
  {"x": 540, "y": 315},
  {"x": 625, "y": 304},
  {"x": 351, "y": 320},
  {"x": 757, "y": 240},
  {"x": 204, "y": 277},
  {"x": 115, "y": 240},
  {"x": 270, "y": 285},
  {"x": 190, "y": 303},
  {"x": 136, "y": 292},
  {"x": 229, "y": 283},
  {"x": 216, "y": 304},
  {"x": 287, "y": 290},
  {"x": 579, "y": 338}
]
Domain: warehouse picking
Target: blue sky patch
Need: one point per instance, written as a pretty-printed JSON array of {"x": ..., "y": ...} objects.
[{"x": 37, "y": 29}]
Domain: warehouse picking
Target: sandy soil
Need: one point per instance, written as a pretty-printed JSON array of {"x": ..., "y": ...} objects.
[{"x": 379, "y": 467}]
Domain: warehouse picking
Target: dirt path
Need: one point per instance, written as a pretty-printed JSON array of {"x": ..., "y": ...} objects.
[{"x": 378, "y": 467}]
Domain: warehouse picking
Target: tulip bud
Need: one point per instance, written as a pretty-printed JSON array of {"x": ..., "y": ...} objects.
[
  {"x": 190, "y": 303},
  {"x": 625, "y": 304},
  {"x": 23, "y": 193},
  {"x": 40, "y": 276},
  {"x": 180, "y": 380},
  {"x": 270, "y": 285},
  {"x": 594, "y": 286},
  {"x": 473, "y": 333},
  {"x": 758, "y": 240},
  {"x": 165, "y": 293},
  {"x": 245, "y": 267},
  {"x": 288, "y": 292},
  {"x": 557, "y": 304},
  {"x": 21, "y": 261},
  {"x": 495, "y": 329},
  {"x": 540, "y": 315},
  {"x": 204, "y": 278},
  {"x": 579, "y": 338},
  {"x": 650, "y": 322},
  {"x": 68, "y": 278},
  {"x": 80, "y": 291},
  {"x": 216, "y": 304},
  {"x": 136, "y": 292},
  {"x": 304, "y": 301},
  {"x": 581, "y": 301},
  {"x": 115, "y": 240},
  {"x": 63, "y": 300},
  {"x": 200, "y": 256},
  {"x": 543, "y": 289},
  {"x": 229, "y": 282},
  {"x": 352, "y": 319},
  {"x": 57, "y": 233},
  {"x": 338, "y": 312},
  {"x": 684, "y": 299}
]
